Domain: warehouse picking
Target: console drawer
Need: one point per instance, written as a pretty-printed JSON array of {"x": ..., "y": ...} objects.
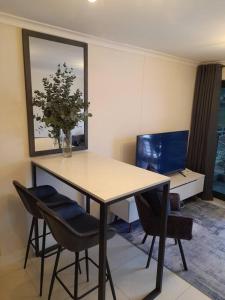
[{"x": 190, "y": 189}]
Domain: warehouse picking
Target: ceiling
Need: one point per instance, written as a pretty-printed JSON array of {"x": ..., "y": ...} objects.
[{"x": 193, "y": 29}]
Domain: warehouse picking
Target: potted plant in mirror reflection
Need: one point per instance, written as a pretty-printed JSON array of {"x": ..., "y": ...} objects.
[{"x": 61, "y": 109}]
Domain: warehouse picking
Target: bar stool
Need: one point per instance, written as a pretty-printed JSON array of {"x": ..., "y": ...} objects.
[
  {"x": 76, "y": 235},
  {"x": 63, "y": 207}
]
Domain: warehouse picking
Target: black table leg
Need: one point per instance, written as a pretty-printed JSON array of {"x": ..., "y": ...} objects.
[
  {"x": 162, "y": 242},
  {"x": 36, "y": 232},
  {"x": 88, "y": 204},
  {"x": 34, "y": 175},
  {"x": 102, "y": 251}
]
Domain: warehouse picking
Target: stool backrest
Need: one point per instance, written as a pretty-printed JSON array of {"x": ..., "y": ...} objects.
[
  {"x": 144, "y": 210},
  {"x": 149, "y": 207},
  {"x": 63, "y": 233},
  {"x": 28, "y": 199}
]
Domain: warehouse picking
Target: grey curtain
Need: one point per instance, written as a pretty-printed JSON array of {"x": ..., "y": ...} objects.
[{"x": 203, "y": 134}]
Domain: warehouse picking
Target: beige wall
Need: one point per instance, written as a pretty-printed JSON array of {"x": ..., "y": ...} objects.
[{"x": 130, "y": 94}]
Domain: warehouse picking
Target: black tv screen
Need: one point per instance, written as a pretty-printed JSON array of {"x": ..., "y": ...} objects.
[{"x": 164, "y": 153}]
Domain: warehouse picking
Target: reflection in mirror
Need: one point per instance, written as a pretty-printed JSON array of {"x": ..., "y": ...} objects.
[{"x": 48, "y": 60}]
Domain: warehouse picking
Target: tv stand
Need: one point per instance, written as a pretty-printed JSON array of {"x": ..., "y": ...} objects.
[
  {"x": 181, "y": 172},
  {"x": 186, "y": 183}
]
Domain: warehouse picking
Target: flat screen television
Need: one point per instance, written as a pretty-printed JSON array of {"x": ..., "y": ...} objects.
[{"x": 164, "y": 153}]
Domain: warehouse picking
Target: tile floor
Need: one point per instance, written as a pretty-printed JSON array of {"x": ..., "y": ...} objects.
[{"x": 131, "y": 279}]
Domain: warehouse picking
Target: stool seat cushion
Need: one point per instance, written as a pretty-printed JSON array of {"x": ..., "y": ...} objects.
[
  {"x": 57, "y": 200},
  {"x": 87, "y": 224},
  {"x": 178, "y": 227},
  {"x": 69, "y": 211},
  {"x": 61, "y": 204},
  {"x": 43, "y": 191},
  {"x": 86, "y": 228}
]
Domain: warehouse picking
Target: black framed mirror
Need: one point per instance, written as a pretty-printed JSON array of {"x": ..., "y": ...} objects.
[{"x": 45, "y": 56}]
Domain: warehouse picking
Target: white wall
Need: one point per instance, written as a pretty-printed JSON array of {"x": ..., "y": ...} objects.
[{"x": 130, "y": 93}]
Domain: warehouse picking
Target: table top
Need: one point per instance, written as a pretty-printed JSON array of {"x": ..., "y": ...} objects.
[{"x": 103, "y": 178}]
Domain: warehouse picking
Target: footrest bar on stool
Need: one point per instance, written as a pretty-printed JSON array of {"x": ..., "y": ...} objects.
[{"x": 70, "y": 265}]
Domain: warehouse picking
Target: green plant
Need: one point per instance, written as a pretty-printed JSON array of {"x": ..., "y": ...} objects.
[{"x": 60, "y": 107}]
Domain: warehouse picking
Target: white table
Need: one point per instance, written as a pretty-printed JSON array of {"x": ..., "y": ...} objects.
[{"x": 106, "y": 181}]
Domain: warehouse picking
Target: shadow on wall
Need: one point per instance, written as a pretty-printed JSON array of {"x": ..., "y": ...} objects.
[
  {"x": 125, "y": 150},
  {"x": 18, "y": 222},
  {"x": 14, "y": 219}
]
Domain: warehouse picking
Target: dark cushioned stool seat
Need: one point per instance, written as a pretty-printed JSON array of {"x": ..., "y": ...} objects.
[
  {"x": 68, "y": 210},
  {"x": 83, "y": 225},
  {"x": 43, "y": 191},
  {"x": 87, "y": 223},
  {"x": 61, "y": 204}
]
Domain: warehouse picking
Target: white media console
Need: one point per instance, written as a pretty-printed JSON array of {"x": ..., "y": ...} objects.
[{"x": 187, "y": 185}]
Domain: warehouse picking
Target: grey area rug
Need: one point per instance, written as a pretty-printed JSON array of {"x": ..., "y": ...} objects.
[{"x": 205, "y": 253}]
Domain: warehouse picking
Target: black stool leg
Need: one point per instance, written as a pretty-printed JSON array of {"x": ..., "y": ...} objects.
[
  {"x": 29, "y": 243},
  {"x": 115, "y": 219},
  {"x": 79, "y": 268},
  {"x": 144, "y": 239},
  {"x": 150, "y": 252},
  {"x": 110, "y": 280},
  {"x": 87, "y": 264},
  {"x": 175, "y": 241},
  {"x": 42, "y": 258},
  {"x": 54, "y": 273},
  {"x": 130, "y": 227},
  {"x": 182, "y": 255},
  {"x": 76, "y": 276},
  {"x": 37, "y": 253}
]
